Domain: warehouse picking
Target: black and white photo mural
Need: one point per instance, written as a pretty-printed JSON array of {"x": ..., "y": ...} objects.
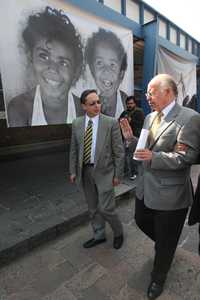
[
  {"x": 185, "y": 74},
  {"x": 51, "y": 52}
]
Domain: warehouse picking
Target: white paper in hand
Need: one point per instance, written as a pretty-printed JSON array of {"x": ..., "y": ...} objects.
[{"x": 142, "y": 141}]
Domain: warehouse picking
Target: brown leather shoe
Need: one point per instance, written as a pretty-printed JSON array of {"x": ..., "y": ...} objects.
[
  {"x": 154, "y": 290},
  {"x": 92, "y": 243},
  {"x": 118, "y": 241}
]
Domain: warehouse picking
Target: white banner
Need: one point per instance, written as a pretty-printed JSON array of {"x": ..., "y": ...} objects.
[
  {"x": 184, "y": 73},
  {"x": 51, "y": 52}
]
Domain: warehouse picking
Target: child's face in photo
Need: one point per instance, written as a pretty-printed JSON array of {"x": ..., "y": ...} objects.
[
  {"x": 106, "y": 68},
  {"x": 53, "y": 64}
]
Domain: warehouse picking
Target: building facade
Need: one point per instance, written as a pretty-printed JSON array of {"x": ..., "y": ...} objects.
[{"x": 155, "y": 39}]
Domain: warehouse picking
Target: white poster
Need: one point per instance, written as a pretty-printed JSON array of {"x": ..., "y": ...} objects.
[
  {"x": 51, "y": 52},
  {"x": 184, "y": 73}
]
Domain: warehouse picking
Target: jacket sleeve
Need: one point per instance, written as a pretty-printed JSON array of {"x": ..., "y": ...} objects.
[
  {"x": 188, "y": 135},
  {"x": 117, "y": 150},
  {"x": 73, "y": 154}
]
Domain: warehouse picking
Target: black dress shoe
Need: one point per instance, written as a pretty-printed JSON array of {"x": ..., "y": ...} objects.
[
  {"x": 118, "y": 241},
  {"x": 154, "y": 290},
  {"x": 92, "y": 243}
]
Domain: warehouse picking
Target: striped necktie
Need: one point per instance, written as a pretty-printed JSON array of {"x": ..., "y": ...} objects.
[
  {"x": 87, "y": 143},
  {"x": 155, "y": 126}
]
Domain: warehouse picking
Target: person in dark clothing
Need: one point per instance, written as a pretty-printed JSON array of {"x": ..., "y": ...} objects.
[
  {"x": 194, "y": 216},
  {"x": 193, "y": 139},
  {"x": 134, "y": 114},
  {"x": 135, "y": 117}
]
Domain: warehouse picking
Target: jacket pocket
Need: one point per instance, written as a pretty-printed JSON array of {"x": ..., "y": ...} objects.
[{"x": 169, "y": 181}]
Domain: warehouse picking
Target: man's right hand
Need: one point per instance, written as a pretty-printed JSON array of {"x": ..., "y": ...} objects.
[
  {"x": 72, "y": 178},
  {"x": 126, "y": 129}
]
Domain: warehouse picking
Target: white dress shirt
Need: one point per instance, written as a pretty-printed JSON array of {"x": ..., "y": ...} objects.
[{"x": 167, "y": 109}]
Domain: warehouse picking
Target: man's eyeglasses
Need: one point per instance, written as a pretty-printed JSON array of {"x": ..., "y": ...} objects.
[
  {"x": 148, "y": 94},
  {"x": 94, "y": 102}
]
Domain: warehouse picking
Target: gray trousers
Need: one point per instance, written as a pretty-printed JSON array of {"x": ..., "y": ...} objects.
[
  {"x": 101, "y": 205},
  {"x": 131, "y": 165}
]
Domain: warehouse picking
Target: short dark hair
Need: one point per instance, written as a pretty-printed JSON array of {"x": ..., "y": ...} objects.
[
  {"x": 85, "y": 94},
  {"x": 109, "y": 38},
  {"x": 129, "y": 98},
  {"x": 137, "y": 101},
  {"x": 53, "y": 24}
]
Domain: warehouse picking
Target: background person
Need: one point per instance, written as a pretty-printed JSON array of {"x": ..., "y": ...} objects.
[
  {"x": 194, "y": 216},
  {"x": 188, "y": 139},
  {"x": 107, "y": 61},
  {"x": 135, "y": 117},
  {"x": 96, "y": 163},
  {"x": 55, "y": 52},
  {"x": 164, "y": 191},
  {"x": 134, "y": 114}
]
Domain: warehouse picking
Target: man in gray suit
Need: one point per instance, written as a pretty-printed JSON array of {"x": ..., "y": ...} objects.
[
  {"x": 164, "y": 190},
  {"x": 97, "y": 165}
]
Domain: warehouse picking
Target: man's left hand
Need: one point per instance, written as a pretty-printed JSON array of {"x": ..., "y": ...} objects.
[
  {"x": 143, "y": 154},
  {"x": 179, "y": 147}
]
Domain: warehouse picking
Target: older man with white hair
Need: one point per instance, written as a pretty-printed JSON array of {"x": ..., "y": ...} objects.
[{"x": 164, "y": 190}]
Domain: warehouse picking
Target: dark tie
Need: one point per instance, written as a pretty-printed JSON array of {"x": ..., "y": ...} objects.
[
  {"x": 155, "y": 126},
  {"x": 87, "y": 143}
]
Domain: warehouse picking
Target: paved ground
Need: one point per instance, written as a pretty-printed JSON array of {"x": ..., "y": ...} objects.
[
  {"x": 37, "y": 202},
  {"x": 63, "y": 270}
]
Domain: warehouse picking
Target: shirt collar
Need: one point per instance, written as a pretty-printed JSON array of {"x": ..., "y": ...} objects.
[
  {"x": 168, "y": 108},
  {"x": 94, "y": 119}
]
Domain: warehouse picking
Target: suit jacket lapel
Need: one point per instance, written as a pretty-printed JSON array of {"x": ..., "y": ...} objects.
[
  {"x": 81, "y": 134},
  {"x": 166, "y": 122},
  {"x": 101, "y": 134},
  {"x": 151, "y": 119}
]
